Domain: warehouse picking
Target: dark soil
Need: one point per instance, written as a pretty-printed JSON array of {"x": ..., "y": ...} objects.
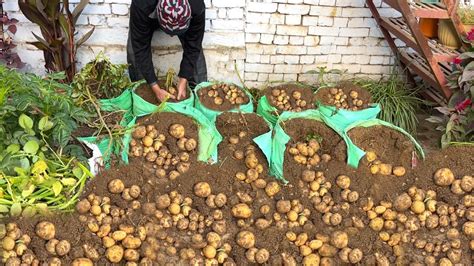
[
  {"x": 306, "y": 95},
  {"x": 226, "y": 105},
  {"x": 364, "y": 95},
  {"x": 148, "y": 95}
]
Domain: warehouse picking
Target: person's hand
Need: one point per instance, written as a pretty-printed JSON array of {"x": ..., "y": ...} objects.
[
  {"x": 182, "y": 88},
  {"x": 161, "y": 94}
]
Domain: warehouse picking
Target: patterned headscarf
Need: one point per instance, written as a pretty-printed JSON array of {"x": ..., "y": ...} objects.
[{"x": 174, "y": 16}]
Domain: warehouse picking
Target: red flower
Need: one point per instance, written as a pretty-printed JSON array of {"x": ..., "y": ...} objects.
[
  {"x": 457, "y": 60},
  {"x": 463, "y": 105},
  {"x": 470, "y": 35}
]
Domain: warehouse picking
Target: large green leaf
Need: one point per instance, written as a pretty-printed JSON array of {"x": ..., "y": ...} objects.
[
  {"x": 52, "y": 7},
  {"x": 43, "y": 42},
  {"x": 76, "y": 13},
  {"x": 28, "y": 8},
  {"x": 31, "y": 147},
  {"x": 65, "y": 26},
  {"x": 25, "y": 122},
  {"x": 57, "y": 188},
  {"x": 15, "y": 209},
  {"x": 84, "y": 38}
]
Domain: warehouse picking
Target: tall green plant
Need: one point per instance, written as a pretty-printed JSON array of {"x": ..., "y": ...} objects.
[
  {"x": 399, "y": 103},
  {"x": 58, "y": 30}
]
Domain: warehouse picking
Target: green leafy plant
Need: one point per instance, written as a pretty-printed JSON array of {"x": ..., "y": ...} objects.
[
  {"x": 399, "y": 102},
  {"x": 33, "y": 177},
  {"x": 58, "y": 29},
  {"x": 325, "y": 76}
]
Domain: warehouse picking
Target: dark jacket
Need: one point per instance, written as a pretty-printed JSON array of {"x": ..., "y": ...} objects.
[{"x": 142, "y": 28}]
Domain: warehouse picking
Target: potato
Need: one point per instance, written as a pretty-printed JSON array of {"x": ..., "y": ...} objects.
[
  {"x": 114, "y": 254},
  {"x": 370, "y": 156},
  {"x": 147, "y": 142},
  {"x": 339, "y": 239},
  {"x": 83, "y": 206},
  {"x": 443, "y": 177},
  {"x": 283, "y": 206},
  {"x": 374, "y": 169},
  {"x": 209, "y": 252},
  {"x": 177, "y": 131},
  {"x": 163, "y": 201},
  {"x": 245, "y": 239},
  {"x": 262, "y": 256},
  {"x": 174, "y": 209},
  {"x": 250, "y": 254},
  {"x": 403, "y": 202},
  {"x": 353, "y": 196},
  {"x": 116, "y": 186},
  {"x": 45, "y": 230},
  {"x": 311, "y": 260},
  {"x": 468, "y": 229},
  {"x": 272, "y": 189},
  {"x": 238, "y": 154},
  {"x": 202, "y": 189},
  {"x": 399, "y": 171},
  {"x": 62, "y": 248},
  {"x": 8, "y": 243},
  {"x": 385, "y": 169},
  {"x": 119, "y": 235},
  {"x": 417, "y": 207},
  {"x": 251, "y": 161},
  {"x": 220, "y": 200},
  {"x": 445, "y": 262},
  {"x": 90, "y": 252},
  {"x": 139, "y": 132},
  {"x": 260, "y": 183},
  {"x": 335, "y": 219},
  {"x": 242, "y": 210},
  {"x": 131, "y": 242},
  {"x": 467, "y": 183},
  {"x": 135, "y": 191},
  {"x": 190, "y": 144},
  {"x": 456, "y": 187},
  {"x": 376, "y": 224},
  {"x": 327, "y": 251},
  {"x": 131, "y": 255},
  {"x": 82, "y": 262},
  {"x": 308, "y": 175},
  {"x": 343, "y": 181},
  {"x": 355, "y": 256},
  {"x": 173, "y": 175}
]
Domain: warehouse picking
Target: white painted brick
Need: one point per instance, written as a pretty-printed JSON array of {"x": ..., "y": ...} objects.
[
  {"x": 376, "y": 60},
  {"x": 235, "y": 13},
  {"x": 260, "y": 28},
  {"x": 351, "y": 49},
  {"x": 238, "y": 54},
  {"x": 351, "y": 69},
  {"x": 296, "y": 69},
  {"x": 97, "y": 20},
  {"x": 277, "y": 59},
  {"x": 292, "y": 59},
  {"x": 357, "y": 23},
  {"x": 11, "y": 5},
  {"x": 373, "y": 69},
  {"x": 280, "y": 1},
  {"x": 307, "y": 59},
  {"x": 253, "y": 58},
  {"x": 293, "y": 9},
  {"x": 251, "y": 76},
  {"x": 291, "y": 50},
  {"x": 356, "y": 12},
  {"x": 292, "y": 30},
  {"x": 294, "y": 1},
  {"x": 311, "y": 2},
  {"x": 327, "y": 31},
  {"x": 348, "y": 59},
  {"x": 262, "y": 77},
  {"x": 354, "y": 32},
  {"x": 83, "y": 20},
  {"x": 281, "y": 39},
  {"x": 296, "y": 40},
  {"x": 261, "y": 7},
  {"x": 275, "y": 77},
  {"x": 325, "y": 21},
  {"x": 261, "y": 68},
  {"x": 277, "y": 19},
  {"x": 222, "y": 13},
  {"x": 334, "y": 58},
  {"x": 340, "y": 22},
  {"x": 102, "y": 9},
  {"x": 327, "y": 2},
  {"x": 225, "y": 24},
  {"x": 211, "y": 13},
  {"x": 118, "y": 1},
  {"x": 362, "y": 59},
  {"x": 325, "y": 11},
  {"x": 252, "y": 37},
  {"x": 258, "y": 18},
  {"x": 120, "y": 9},
  {"x": 224, "y": 39},
  {"x": 311, "y": 40},
  {"x": 265, "y": 59},
  {"x": 267, "y": 38},
  {"x": 293, "y": 19},
  {"x": 290, "y": 77},
  {"x": 224, "y": 3},
  {"x": 351, "y": 3},
  {"x": 102, "y": 37},
  {"x": 118, "y": 22},
  {"x": 310, "y": 21}
]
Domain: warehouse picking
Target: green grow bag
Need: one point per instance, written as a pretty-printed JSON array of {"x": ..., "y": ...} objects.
[
  {"x": 355, "y": 154},
  {"x": 340, "y": 119},
  {"x": 142, "y": 107},
  {"x": 211, "y": 115}
]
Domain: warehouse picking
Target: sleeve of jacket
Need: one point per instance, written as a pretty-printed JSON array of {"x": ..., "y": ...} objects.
[
  {"x": 192, "y": 46},
  {"x": 141, "y": 33}
]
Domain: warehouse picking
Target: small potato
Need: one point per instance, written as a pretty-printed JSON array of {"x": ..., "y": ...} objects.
[
  {"x": 83, "y": 206},
  {"x": 343, "y": 181},
  {"x": 245, "y": 239},
  {"x": 376, "y": 224},
  {"x": 251, "y": 161},
  {"x": 119, "y": 235},
  {"x": 403, "y": 202},
  {"x": 177, "y": 131},
  {"x": 131, "y": 255},
  {"x": 370, "y": 156},
  {"x": 139, "y": 132},
  {"x": 311, "y": 259},
  {"x": 190, "y": 144},
  {"x": 82, "y": 262},
  {"x": 135, "y": 191},
  {"x": 220, "y": 200},
  {"x": 339, "y": 239},
  {"x": 62, "y": 248},
  {"x": 272, "y": 189},
  {"x": 116, "y": 186},
  {"x": 114, "y": 254},
  {"x": 443, "y": 177},
  {"x": 8, "y": 243},
  {"x": 456, "y": 187},
  {"x": 90, "y": 252},
  {"x": 209, "y": 252},
  {"x": 468, "y": 229},
  {"x": 202, "y": 189},
  {"x": 242, "y": 210},
  {"x": 262, "y": 256},
  {"x": 399, "y": 171},
  {"x": 131, "y": 242},
  {"x": 374, "y": 169},
  {"x": 385, "y": 169},
  {"x": 417, "y": 207},
  {"x": 327, "y": 250},
  {"x": 283, "y": 206},
  {"x": 45, "y": 230},
  {"x": 467, "y": 183},
  {"x": 355, "y": 256},
  {"x": 163, "y": 201},
  {"x": 238, "y": 154}
]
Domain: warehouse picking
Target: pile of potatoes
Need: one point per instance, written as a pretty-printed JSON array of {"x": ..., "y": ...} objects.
[
  {"x": 254, "y": 167},
  {"x": 221, "y": 92},
  {"x": 148, "y": 143},
  {"x": 291, "y": 214},
  {"x": 444, "y": 177},
  {"x": 378, "y": 167},
  {"x": 324, "y": 248},
  {"x": 341, "y": 100},
  {"x": 281, "y": 100},
  {"x": 14, "y": 246},
  {"x": 306, "y": 153}
]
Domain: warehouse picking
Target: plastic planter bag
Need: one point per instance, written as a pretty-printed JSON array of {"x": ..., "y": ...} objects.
[
  {"x": 355, "y": 154},
  {"x": 120, "y": 103},
  {"x": 209, "y": 137},
  {"x": 103, "y": 148},
  {"x": 142, "y": 107},
  {"x": 212, "y": 114},
  {"x": 340, "y": 119}
]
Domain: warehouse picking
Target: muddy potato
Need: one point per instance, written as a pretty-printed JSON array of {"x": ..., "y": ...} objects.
[
  {"x": 399, "y": 171},
  {"x": 242, "y": 210},
  {"x": 403, "y": 202},
  {"x": 139, "y": 132},
  {"x": 116, "y": 186},
  {"x": 311, "y": 259},
  {"x": 355, "y": 256},
  {"x": 327, "y": 250},
  {"x": 131, "y": 242},
  {"x": 272, "y": 189},
  {"x": 62, "y": 248},
  {"x": 114, "y": 254},
  {"x": 456, "y": 187},
  {"x": 376, "y": 224},
  {"x": 283, "y": 206},
  {"x": 443, "y": 177},
  {"x": 238, "y": 154},
  {"x": 339, "y": 239},
  {"x": 190, "y": 144},
  {"x": 177, "y": 131},
  {"x": 131, "y": 255},
  {"x": 262, "y": 256},
  {"x": 83, "y": 206},
  {"x": 467, "y": 183},
  {"x": 370, "y": 156},
  {"x": 202, "y": 189},
  {"x": 245, "y": 239},
  {"x": 260, "y": 183},
  {"x": 90, "y": 252},
  {"x": 417, "y": 207},
  {"x": 45, "y": 230},
  {"x": 220, "y": 200},
  {"x": 251, "y": 161},
  {"x": 343, "y": 181},
  {"x": 468, "y": 229},
  {"x": 385, "y": 169},
  {"x": 163, "y": 201},
  {"x": 8, "y": 243}
]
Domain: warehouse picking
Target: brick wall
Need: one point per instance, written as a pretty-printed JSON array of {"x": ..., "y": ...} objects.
[{"x": 268, "y": 40}]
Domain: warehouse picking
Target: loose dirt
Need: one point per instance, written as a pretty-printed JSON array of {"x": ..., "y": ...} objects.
[
  {"x": 323, "y": 95},
  {"x": 226, "y": 105},
  {"x": 306, "y": 95},
  {"x": 148, "y": 95}
]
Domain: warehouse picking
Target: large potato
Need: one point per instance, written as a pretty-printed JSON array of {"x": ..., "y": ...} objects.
[
  {"x": 45, "y": 230},
  {"x": 63, "y": 247},
  {"x": 177, "y": 131},
  {"x": 339, "y": 239},
  {"x": 403, "y": 202},
  {"x": 202, "y": 189},
  {"x": 242, "y": 210},
  {"x": 139, "y": 132},
  {"x": 116, "y": 186},
  {"x": 82, "y": 262},
  {"x": 443, "y": 177},
  {"x": 245, "y": 239},
  {"x": 114, "y": 254}
]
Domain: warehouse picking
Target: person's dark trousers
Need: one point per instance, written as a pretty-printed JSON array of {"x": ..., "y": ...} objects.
[{"x": 200, "y": 70}]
